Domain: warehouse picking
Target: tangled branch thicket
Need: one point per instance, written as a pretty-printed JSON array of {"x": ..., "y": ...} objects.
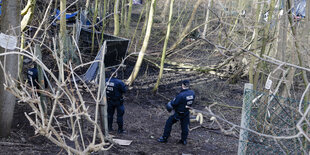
[
  {"x": 62, "y": 123},
  {"x": 241, "y": 44}
]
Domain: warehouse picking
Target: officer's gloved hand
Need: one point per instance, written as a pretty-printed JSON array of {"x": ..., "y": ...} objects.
[
  {"x": 169, "y": 107},
  {"x": 121, "y": 100}
]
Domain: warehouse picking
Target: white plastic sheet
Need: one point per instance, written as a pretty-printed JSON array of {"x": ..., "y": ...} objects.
[
  {"x": 7, "y": 41},
  {"x": 122, "y": 142}
]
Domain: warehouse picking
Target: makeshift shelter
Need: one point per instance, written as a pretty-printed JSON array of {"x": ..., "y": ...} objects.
[
  {"x": 116, "y": 47},
  {"x": 115, "y": 52},
  {"x": 300, "y": 9}
]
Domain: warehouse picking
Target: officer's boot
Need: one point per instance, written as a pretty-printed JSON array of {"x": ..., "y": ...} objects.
[
  {"x": 184, "y": 142},
  {"x": 110, "y": 127},
  {"x": 120, "y": 129},
  {"x": 162, "y": 139}
]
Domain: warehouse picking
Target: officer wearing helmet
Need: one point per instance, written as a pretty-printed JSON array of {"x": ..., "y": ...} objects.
[
  {"x": 115, "y": 89},
  {"x": 179, "y": 104}
]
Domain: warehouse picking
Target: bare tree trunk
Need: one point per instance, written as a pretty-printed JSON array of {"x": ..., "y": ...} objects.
[
  {"x": 189, "y": 23},
  {"x": 282, "y": 36},
  {"x": 129, "y": 17},
  {"x": 21, "y": 58},
  {"x": 164, "y": 12},
  {"x": 290, "y": 77},
  {"x": 306, "y": 27},
  {"x": 145, "y": 21},
  {"x": 94, "y": 29},
  {"x": 187, "y": 27},
  {"x": 10, "y": 18},
  {"x": 102, "y": 93},
  {"x": 264, "y": 44},
  {"x": 103, "y": 21},
  {"x": 307, "y": 21},
  {"x": 87, "y": 5},
  {"x": 163, "y": 56},
  {"x": 116, "y": 18},
  {"x": 56, "y": 7},
  {"x": 62, "y": 35},
  {"x": 207, "y": 19},
  {"x": 122, "y": 22},
  {"x": 281, "y": 50},
  {"x": 144, "y": 46},
  {"x": 255, "y": 37},
  {"x": 135, "y": 32},
  {"x": 27, "y": 12},
  {"x": 300, "y": 60}
]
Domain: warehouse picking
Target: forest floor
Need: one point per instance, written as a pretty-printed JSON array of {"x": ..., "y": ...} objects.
[{"x": 145, "y": 118}]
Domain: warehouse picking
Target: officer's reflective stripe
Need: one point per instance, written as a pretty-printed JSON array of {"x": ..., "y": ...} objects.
[
  {"x": 189, "y": 103},
  {"x": 30, "y": 72},
  {"x": 110, "y": 84},
  {"x": 189, "y": 97},
  {"x": 110, "y": 88}
]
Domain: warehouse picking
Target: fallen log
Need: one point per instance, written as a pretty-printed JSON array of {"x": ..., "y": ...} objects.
[{"x": 186, "y": 67}]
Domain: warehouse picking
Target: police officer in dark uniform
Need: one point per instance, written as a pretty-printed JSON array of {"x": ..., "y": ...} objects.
[
  {"x": 185, "y": 98},
  {"x": 115, "y": 90},
  {"x": 32, "y": 76}
]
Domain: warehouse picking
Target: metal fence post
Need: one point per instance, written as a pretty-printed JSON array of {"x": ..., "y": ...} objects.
[{"x": 245, "y": 118}]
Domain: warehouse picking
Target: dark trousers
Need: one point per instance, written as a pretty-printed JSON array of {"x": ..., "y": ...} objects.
[
  {"x": 184, "y": 121},
  {"x": 120, "y": 112}
]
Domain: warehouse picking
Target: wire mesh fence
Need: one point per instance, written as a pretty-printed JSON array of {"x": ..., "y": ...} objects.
[{"x": 275, "y": 116}]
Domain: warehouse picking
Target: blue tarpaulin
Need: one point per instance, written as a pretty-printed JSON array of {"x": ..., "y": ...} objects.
[
  {"x": 68, "y": 15},
  {"x": 300, "y": 8},
  {"x": 83, "y": 19},
  {"x": 0, "y": 6}
]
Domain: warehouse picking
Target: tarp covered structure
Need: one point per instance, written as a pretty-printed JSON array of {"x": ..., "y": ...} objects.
[
  {"x": 70, "y": 17},
  {"x": 116, "y": 46},
  {"x": 300, "y": 8},
  {"x": 115, "y": 52}
]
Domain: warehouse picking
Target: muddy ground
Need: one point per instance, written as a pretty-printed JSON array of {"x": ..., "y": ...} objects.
[{"x": 145, "y": 118}]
